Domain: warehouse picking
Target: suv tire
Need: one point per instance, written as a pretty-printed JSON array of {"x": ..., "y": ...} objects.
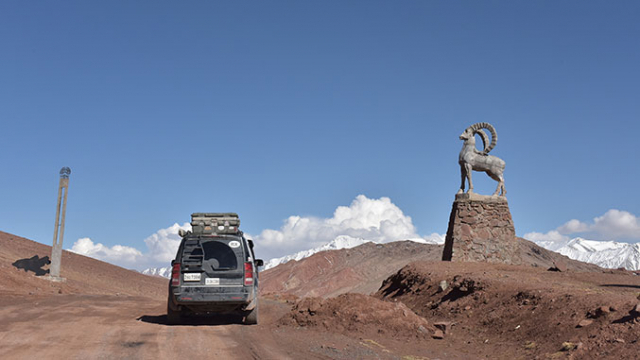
[
  {"x": 174, "y": 317},
  {"x": 251, "y": 318}
]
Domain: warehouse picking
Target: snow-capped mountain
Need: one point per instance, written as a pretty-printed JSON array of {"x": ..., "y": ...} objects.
[
  {"x": 553, "y": 245},
  {"x": 607, "y": 254},
  {"x": 340, "y": 242},
  {"x": 161, "y": 271}
]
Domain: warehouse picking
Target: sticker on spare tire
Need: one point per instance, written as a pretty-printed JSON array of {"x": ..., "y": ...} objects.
[{"x": 234, "y": 244}]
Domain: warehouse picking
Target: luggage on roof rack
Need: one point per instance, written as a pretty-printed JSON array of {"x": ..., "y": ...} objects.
[{"x": 215, "y": 223}]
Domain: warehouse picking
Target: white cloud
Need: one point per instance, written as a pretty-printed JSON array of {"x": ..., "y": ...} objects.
[
  {"x": 613, "y": 225},
  {"x": 164, "y": 244},
  {"x": 118, "y": 254},
  {"x": 573, "y": 226},
  {"x": 161, "y": 248},
  {"x": 550, "y": 240},
  {"x": 372, "y": 219},
  {"x": 616, "y": 224},
  {"x": 435, "y": 238}
]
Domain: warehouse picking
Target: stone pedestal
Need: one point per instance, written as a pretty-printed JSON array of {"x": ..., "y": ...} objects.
[{"x": 481, "y": 229}]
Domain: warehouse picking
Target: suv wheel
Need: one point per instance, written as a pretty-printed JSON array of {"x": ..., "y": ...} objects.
[
  {"x": 173, "y": 316},
  {"x": 251, "y": 318}
]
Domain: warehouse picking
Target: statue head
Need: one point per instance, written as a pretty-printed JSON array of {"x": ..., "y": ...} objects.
[
  {"x": 470, "y": 132},
  {"x": 466, "y": 134}
]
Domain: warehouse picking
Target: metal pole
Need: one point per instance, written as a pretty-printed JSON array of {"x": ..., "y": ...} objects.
[{"x": 56, "y": 250}]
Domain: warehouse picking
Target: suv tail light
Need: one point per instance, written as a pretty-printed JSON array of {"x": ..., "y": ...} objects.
[
  {"x": 175, "y": 274},
  {"x": 248, "y": 274}
]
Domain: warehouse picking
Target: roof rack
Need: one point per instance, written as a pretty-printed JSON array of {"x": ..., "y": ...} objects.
[{"x": 215, "y": 223}]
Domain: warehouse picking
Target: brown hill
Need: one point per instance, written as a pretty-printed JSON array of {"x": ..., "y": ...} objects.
[
  {"x": 362, "y": 269},
  {"x": 359, "y": 270},
  {"x": 83, "y": 275}
]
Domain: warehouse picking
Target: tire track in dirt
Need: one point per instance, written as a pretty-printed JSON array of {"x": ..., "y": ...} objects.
[
  {"x": 111, "y": 327},
  {"x": 194, "y": 342}
]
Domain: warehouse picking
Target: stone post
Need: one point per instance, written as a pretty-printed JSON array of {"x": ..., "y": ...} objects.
[{"x": 481, "y": 229}]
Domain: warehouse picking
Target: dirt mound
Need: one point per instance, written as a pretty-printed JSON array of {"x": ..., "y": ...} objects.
[
  {"x": 358, "y": 313},
  {"x": 523, "y": 311},
  {"x": 23, "y": 267}
]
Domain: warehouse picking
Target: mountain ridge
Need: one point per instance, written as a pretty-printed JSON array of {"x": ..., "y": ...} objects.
[{"x": 606, "y": 254}]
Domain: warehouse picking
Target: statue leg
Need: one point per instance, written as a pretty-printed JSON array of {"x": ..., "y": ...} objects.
[
  {"x": 469, "y": 169},
  {"x": 463, "y": 175},
  {"x": 500, "y": 179}
]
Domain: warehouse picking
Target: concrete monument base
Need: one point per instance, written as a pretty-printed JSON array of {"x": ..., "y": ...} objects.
[{"x": 481, "y": 229}]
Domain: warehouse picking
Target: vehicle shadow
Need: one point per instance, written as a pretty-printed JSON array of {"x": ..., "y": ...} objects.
[
  {"x": 621, "y": 285},
  {"x": 34, "y": 264},
  {"x": 194, "y": 320}
]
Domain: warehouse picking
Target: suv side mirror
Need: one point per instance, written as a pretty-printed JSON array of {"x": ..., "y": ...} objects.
[{"x": 259, "y": 262}]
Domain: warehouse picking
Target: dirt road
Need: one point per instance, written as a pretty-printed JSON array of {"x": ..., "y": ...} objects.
[
  {"x": 122, "y": 327},
  {"x": 93, "y": 327},
  {"x": 105, "y": 312},
  {"x": 113, "y": 327}
]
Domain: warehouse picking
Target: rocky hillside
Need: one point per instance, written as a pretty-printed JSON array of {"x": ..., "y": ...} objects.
[
  {"x": 83, "y": 274},
  {"x": 340, "y": 242},
  {"x": 537, "y": 312},
  {"x": 360, "y": 269},
  {"x": 363, "y": 268}
]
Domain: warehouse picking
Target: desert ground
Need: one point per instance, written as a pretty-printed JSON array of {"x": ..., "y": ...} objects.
[{"x": 394, "y": 301}]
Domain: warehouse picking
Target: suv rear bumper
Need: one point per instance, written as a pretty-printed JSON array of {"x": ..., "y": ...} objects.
[{"x": 202, "y": 299}]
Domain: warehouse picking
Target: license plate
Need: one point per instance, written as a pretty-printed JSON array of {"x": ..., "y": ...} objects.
[
  {"x": 192, "y": 277},
  {"x": 212, "y": 281}
]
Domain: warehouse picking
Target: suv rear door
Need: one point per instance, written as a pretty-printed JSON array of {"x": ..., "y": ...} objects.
[{"x": 219, "y": 260}]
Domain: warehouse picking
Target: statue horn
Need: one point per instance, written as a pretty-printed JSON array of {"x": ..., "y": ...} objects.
[
  {"x": 494, "y": 136},
  {"x": 485, "y": 140}
]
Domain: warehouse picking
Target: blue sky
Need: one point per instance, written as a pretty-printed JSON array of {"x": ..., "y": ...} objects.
[{"x": 294, "y": 108}]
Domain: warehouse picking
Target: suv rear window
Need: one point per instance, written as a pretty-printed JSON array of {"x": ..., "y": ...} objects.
[
  {"x": 219, "y": 255},
  {"x": 224, "y": 254}
]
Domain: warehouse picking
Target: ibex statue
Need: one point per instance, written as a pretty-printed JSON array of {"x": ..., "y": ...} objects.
[{"x": 473, "y": 159}]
